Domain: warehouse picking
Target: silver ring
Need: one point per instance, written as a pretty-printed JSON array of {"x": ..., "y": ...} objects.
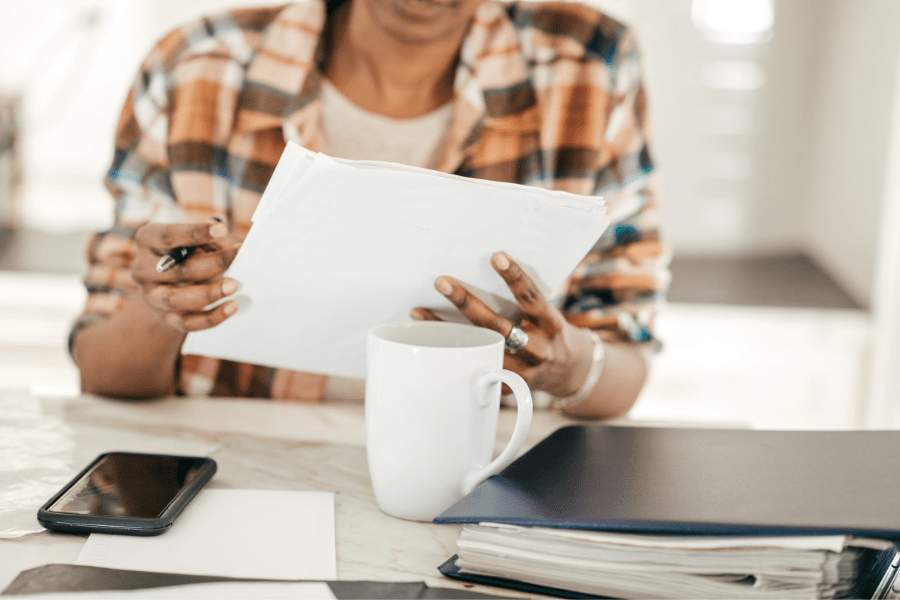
[{"x": 516, "y": 340}]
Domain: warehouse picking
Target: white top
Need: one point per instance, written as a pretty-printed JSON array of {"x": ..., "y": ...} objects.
[{"x": 355, "y": 133}]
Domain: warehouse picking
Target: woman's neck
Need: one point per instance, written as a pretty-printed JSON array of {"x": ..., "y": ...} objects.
[{"x": 384, "y": 73}]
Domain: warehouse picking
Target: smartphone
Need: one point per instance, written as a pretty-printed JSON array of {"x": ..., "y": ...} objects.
[{"x": 128, "y": 493}]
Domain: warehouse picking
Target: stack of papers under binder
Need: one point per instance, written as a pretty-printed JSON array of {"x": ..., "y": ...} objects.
[
  {"x": 654, "y": 512},
  {"x": 643, "y": 566}
]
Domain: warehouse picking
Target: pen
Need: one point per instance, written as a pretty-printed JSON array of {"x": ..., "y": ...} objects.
[
  {"x": 177, "y": 255},
  {"x": 173, "y": 257}
]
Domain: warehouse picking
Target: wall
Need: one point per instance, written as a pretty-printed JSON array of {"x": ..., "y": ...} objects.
[
  {"x": 704, "y": 102},
  {"x": 795, "y": 165},
  {"x": 785, "y": 121},
  {"x": 845, "y": 180},
  {"x": 73, "y": 61},
  {"x": 883, "y": 409}
]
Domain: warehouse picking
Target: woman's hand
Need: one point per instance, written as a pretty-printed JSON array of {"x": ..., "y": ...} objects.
[
  {"x": 180, "y": 294},
  {"x": 557, "y": 356}
]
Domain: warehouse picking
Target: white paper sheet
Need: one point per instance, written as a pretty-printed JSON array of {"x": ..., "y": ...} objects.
[
  {"x": 337, "y": 248},
  {"x": 250, "y": 534}
]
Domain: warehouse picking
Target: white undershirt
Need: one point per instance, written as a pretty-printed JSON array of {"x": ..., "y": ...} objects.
[{"x": 355, "y": 133}]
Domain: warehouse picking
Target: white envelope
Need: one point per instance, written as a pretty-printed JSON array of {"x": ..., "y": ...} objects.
[
  {"x": 252, "y": 534},
  {"x": 338, "y": 247}
]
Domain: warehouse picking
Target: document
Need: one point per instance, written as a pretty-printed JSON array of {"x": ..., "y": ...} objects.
[
  {"x": 338, "y": 247},
  {"x": 252, "y": 534}
]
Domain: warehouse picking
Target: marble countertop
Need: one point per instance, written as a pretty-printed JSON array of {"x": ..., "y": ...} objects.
[{"x": 257, "y": 444}]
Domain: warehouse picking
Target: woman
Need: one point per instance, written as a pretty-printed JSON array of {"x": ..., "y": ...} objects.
[{"x": 541, "y": 94}]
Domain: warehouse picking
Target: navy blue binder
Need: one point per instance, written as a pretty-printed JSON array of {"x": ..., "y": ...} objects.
[{"x": 691, "y": 481}]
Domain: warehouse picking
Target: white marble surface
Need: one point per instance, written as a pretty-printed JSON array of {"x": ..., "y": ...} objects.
[{"x": 261, "y": 445}]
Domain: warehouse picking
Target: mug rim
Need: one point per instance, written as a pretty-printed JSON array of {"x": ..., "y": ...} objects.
[{"x": 489, "y": 336}]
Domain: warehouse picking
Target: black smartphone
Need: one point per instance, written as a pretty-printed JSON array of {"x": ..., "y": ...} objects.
[{"x": 127, "y": 492}]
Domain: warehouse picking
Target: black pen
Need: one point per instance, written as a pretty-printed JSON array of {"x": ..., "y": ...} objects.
[
  {"x": 177, "y": 255},
  {"x": 173, "y": 257}
]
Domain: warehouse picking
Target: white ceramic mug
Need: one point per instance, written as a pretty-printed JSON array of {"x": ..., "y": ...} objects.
[{"x": 432, "y": 402}]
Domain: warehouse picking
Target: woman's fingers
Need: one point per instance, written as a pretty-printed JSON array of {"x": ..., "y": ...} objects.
[
  {"x": 162, "y": 237},
  {"x": 189, "y": 297},
  {"x": 181, "y": 294},
  {"x": 552, "y": 351},
  {"x": 199, "y": 266},
  {"x": 215, "y": 250},
  {"x": 473, "y": 309},
  {"x": 478, "y": 313},
  {"x": 424, "y": 314},
  {"x": 195, "y": 321},
  {"x": 530, "y": 299}
]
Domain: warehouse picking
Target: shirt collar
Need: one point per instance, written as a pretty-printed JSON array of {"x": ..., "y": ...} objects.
[
  {"x": 492, "y": 86},
  {"x": 278, "y": 75}
]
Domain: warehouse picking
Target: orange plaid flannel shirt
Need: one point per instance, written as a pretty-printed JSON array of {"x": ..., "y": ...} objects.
[{"x": 545, "y": 94}]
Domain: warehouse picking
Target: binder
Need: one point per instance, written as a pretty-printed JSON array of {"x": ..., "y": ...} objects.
[{"x": 699, "y": 481}]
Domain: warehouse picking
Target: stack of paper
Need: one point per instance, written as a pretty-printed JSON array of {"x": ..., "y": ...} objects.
[
  {"x": 643, "y": 566},
  {"x": 338, "y": 247}
]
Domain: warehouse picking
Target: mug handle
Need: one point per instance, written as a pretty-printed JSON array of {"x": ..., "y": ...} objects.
[{"x": 523, "y": 422}]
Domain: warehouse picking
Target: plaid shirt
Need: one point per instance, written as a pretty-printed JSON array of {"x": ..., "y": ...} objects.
[{"x": 549, "y": 95}]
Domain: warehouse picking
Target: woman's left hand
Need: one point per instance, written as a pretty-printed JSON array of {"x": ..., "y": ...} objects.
[{"x": 557, "y": 356}]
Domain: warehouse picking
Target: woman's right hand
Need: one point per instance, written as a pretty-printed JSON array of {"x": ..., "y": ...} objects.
[{"x": 180, "y": 294}]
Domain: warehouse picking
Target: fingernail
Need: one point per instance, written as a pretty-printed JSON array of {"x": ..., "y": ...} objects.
[
  {"x": 501, "y": 261},
  {"x": 443, "y": 286},
  {"x": 229, "y": 286},
  {"x": 415, "y": 315},
  {"x": 218, "y": 230},
  {"x": 230, "y": 308}
]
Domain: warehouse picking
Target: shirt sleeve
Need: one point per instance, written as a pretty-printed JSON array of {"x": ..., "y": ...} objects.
[
  {"x": 139, "y": 182},
  {"x": 621, "y": 283}
]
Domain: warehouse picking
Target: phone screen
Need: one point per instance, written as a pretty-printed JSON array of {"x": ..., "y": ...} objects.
[{"x": 129, "y": 485}]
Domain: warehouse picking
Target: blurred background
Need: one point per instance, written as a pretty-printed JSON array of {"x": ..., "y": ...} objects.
[{"x": 776, "y": 127}]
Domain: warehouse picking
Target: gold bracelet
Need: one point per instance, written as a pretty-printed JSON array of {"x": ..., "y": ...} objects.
[{"x": 593, "y": 376}]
